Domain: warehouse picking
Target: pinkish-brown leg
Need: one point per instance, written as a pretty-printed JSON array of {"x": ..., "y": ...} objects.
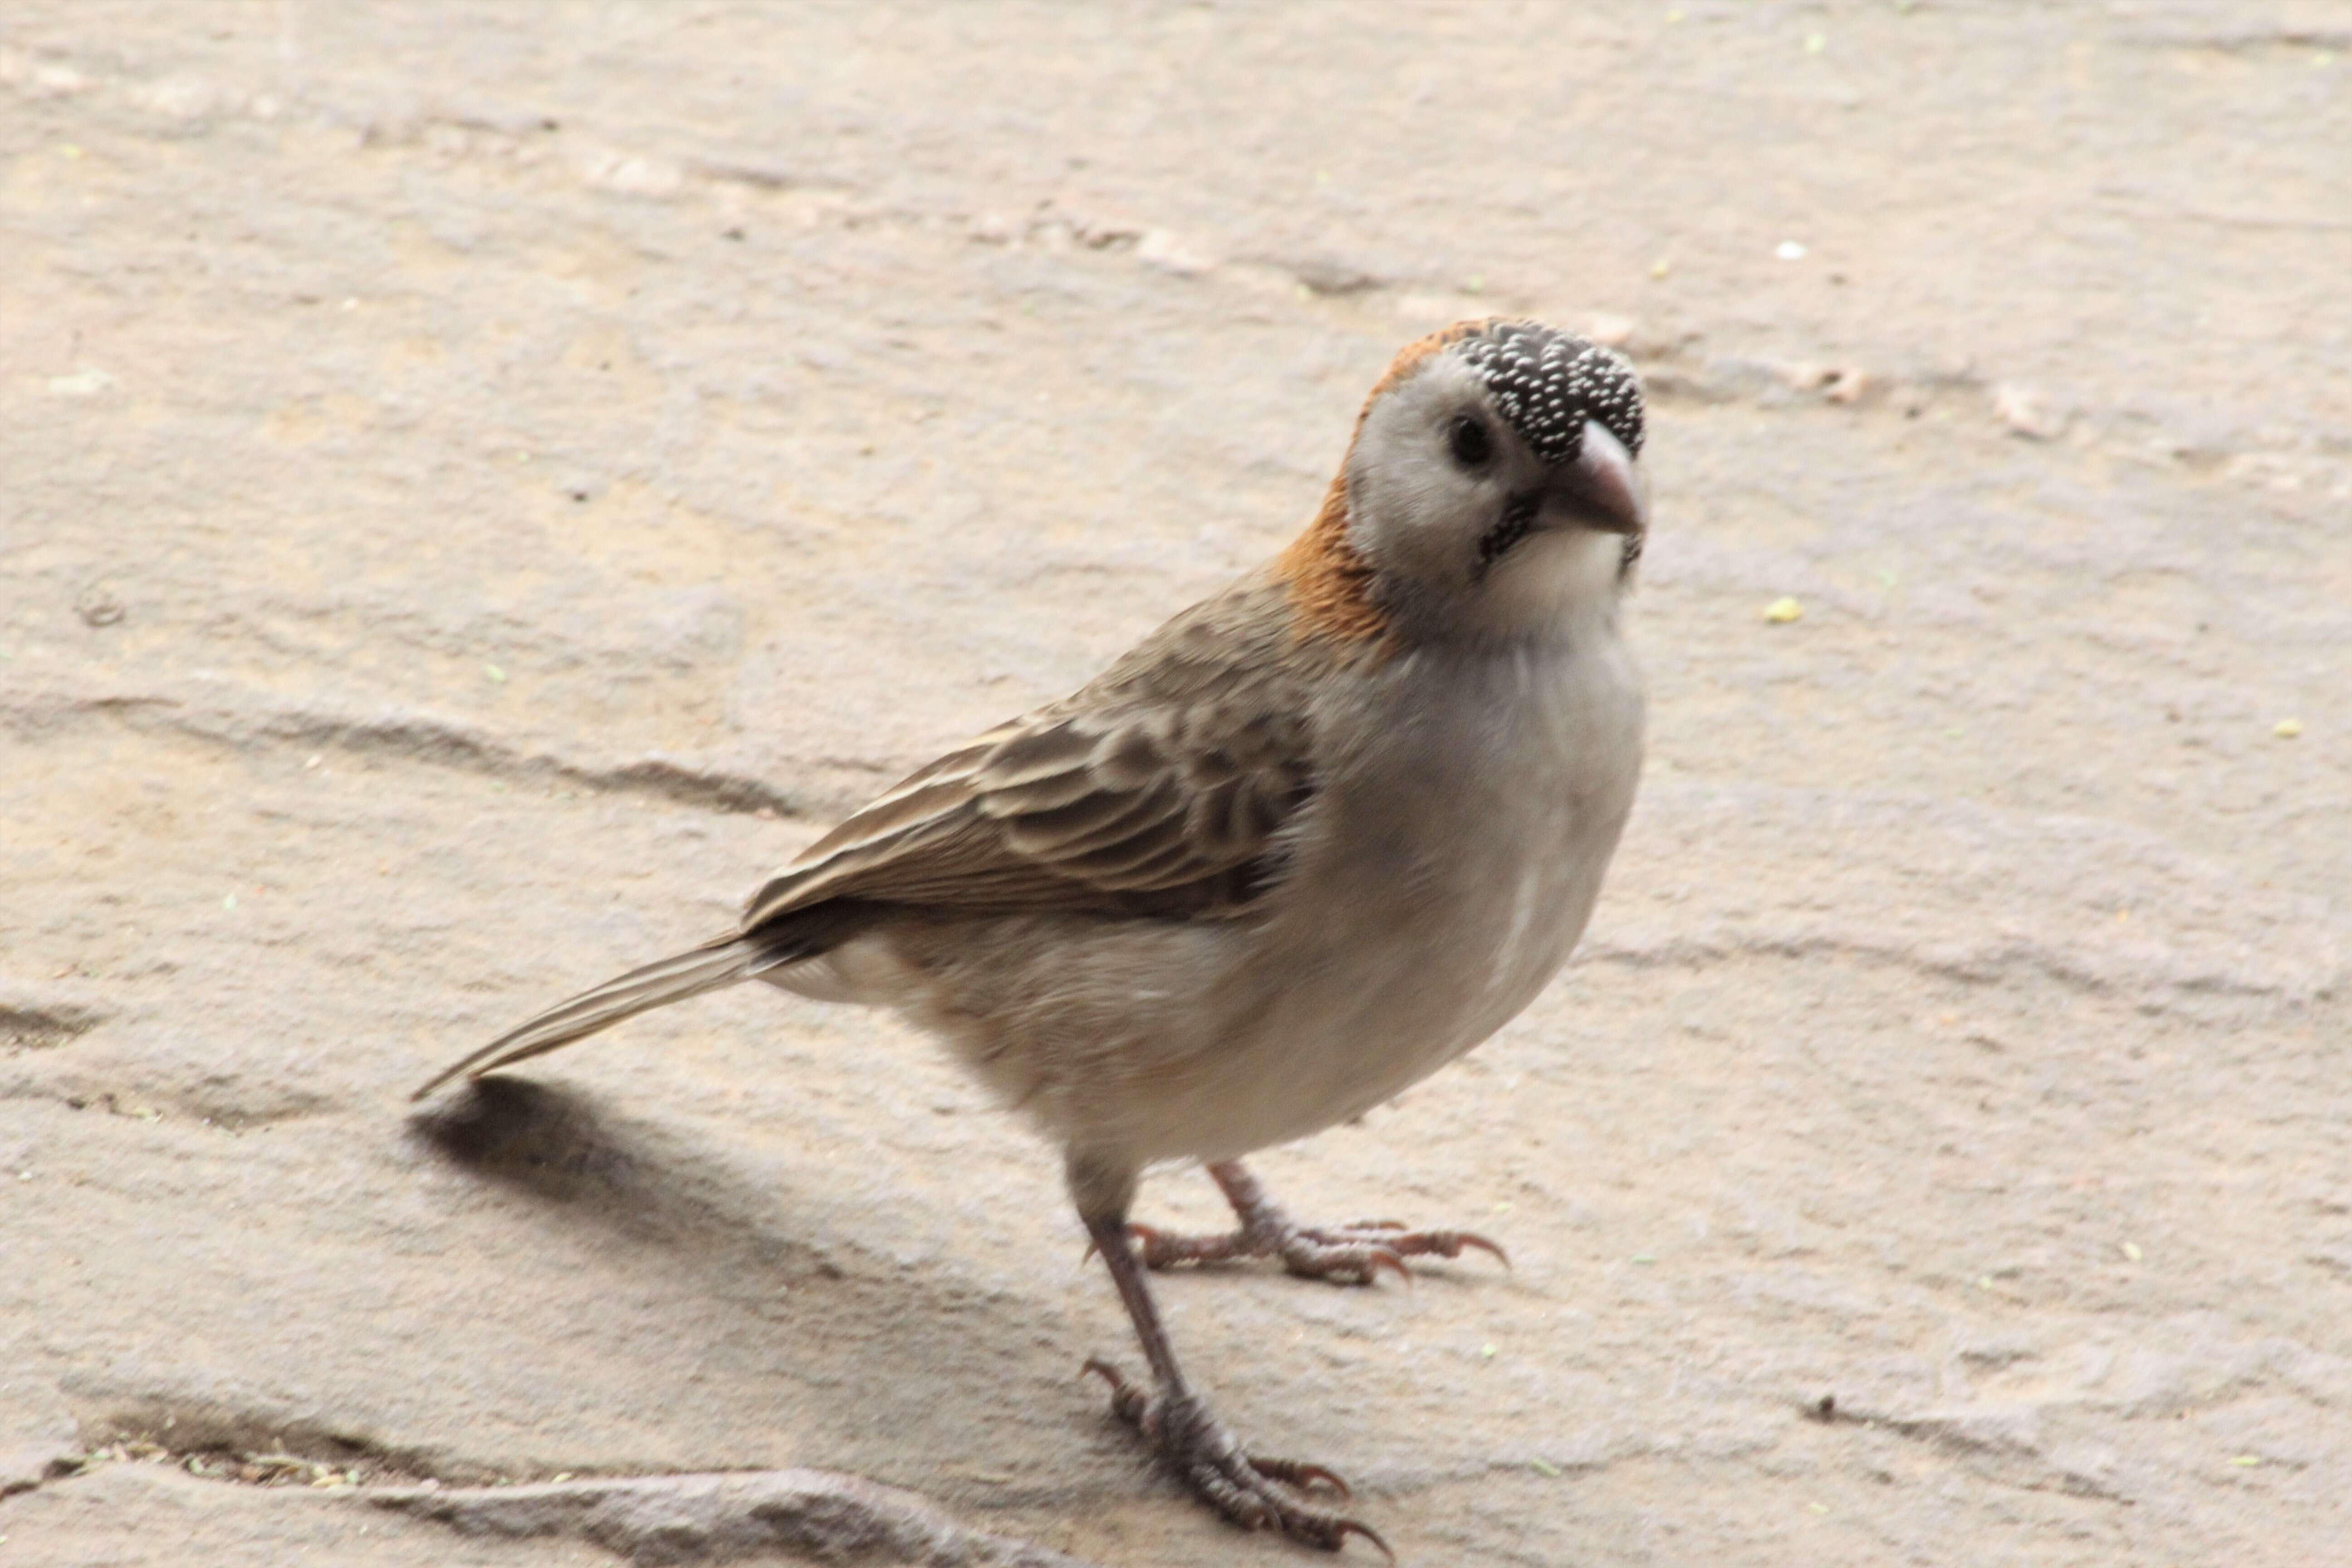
[
  {"x": 1249, "y": 1490},
  {"x": 1342, "y": 1255}
]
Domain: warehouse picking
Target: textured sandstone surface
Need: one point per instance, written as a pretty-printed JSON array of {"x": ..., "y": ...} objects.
[{"x": 484, "y": 483}]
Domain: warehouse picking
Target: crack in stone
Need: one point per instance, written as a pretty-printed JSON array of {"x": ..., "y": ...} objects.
[
  {"x": 417, "y": 738},
  {"x": 439, "y": 741},
  {"x": 727, "y": 1516},
  {"x": 2001, "y": 1443},
  {"x": 34, "y": 1026},
  {"x": 653, "y": 1520},
  {"x": 252, "y": 1446},
  {"x": 175, "y": 1105}
]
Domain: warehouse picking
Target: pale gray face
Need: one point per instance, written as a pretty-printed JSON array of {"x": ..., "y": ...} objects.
[{"x": 1497, "y": 488}]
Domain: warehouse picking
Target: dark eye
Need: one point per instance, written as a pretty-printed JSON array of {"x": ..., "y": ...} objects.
[{"x": 1467, "y": 440}]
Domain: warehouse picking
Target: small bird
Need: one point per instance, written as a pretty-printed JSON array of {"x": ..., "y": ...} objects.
[{"x": 1307, "y": 842}]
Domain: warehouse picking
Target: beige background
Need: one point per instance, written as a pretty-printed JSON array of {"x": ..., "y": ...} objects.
[{"x": 481, "y": 484}]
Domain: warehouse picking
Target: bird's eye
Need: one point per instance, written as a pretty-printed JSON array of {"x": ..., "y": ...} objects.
[{"x": 1467, "y": 440}]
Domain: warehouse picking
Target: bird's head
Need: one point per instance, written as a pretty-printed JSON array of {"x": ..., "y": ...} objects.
[{"x": 1493, "y": 490}]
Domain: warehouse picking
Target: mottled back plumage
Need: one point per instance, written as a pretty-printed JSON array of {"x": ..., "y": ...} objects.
[{"x": 1159, "y": 789}]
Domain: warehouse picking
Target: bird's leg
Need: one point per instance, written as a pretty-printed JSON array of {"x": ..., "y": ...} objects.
[
  {"x": 1254, "y": 1492},
  {"x": 1342, "y": 1254}
]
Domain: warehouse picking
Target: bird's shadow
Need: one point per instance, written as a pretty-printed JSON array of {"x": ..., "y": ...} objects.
[
  {"x": 887, "y": 1347},
  {"x": 594, "y": 1166},
  {"x": 551, "y": 1143}
]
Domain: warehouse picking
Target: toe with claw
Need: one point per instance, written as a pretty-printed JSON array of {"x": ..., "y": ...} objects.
[
  {"x": 1343, "y": 1255},
  {"x": 1253, "y": 1492}
]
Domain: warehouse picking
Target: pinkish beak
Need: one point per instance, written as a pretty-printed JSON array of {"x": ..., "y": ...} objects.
[{"x": 1605, "y": 487}]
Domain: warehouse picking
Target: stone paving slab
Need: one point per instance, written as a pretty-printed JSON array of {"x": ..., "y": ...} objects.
[{"x": 485, "y": 483}]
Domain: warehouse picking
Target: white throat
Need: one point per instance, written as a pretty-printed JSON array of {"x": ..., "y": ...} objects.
[{"x": 1561, "y": 583}]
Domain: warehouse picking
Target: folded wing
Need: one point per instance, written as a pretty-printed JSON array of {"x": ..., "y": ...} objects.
[{"x": 1161, "y": 789}]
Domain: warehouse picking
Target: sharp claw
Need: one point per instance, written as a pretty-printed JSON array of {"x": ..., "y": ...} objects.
[
  {"x": 1480, "y": 1242},
  {"x": 1381, "y": 1258},
  {"x": 1127, "y": 1402},
  {"x": 1298, "y": 1473},
  {"x": 1341, "y": 1529}
]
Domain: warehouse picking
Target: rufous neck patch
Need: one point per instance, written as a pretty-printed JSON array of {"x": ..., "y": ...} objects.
[{"x": 1329, "y": 581}]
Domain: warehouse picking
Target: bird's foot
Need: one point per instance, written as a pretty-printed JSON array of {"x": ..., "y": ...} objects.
[
  {"x": 1342, "y": 1255},
  {"x": 1253, "y": 1492}
]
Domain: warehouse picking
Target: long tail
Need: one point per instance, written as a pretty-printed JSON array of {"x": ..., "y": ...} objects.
[{"x": 711, "y": 967}]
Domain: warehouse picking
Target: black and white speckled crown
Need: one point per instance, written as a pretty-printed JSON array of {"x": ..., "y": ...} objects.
[{"x": 1547, "y": 383}]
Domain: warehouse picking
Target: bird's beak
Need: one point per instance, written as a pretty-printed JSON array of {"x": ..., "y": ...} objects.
[{"x": 1604, "y": 489}]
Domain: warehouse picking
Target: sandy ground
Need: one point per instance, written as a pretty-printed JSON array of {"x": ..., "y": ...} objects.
[{"x": 484, "y": 483}]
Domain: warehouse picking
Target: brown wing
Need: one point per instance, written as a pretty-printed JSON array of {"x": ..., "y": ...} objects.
[{"x": 1159, "y": 789}]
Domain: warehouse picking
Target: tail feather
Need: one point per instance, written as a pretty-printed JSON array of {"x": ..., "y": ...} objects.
[{"x": 711, "y": 967}]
